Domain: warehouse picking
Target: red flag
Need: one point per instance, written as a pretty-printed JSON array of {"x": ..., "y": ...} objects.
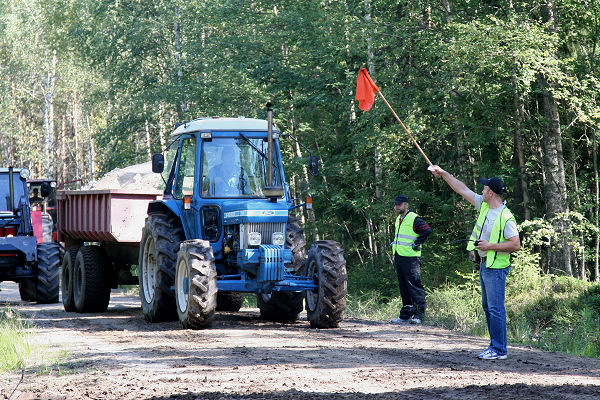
[{"x": 366, "y": 90}]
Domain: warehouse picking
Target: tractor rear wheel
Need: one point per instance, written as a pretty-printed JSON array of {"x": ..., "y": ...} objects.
[
  {"x": 325, "y": 305},
  {"x": 91, "y": 280},
  {"x": 280, "y": 306},
  {"x": 161, "y": 238},
  {"x": 196, "y": 284},
  {"x": 48, "y": 273},
  {"x": 66, "y": 284},
  {"x": 229, "y": 301}
]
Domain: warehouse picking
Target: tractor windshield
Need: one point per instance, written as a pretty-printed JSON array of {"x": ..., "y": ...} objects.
[
  {"x": 19, "y": 193},
  {"x": 237, "y": 167}
]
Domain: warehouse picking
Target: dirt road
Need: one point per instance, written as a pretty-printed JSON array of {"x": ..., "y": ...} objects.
[{"x": 117, "y": 355}]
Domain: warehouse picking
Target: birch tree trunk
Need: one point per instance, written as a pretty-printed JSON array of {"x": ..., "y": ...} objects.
[{"x": 49, "y": 87}]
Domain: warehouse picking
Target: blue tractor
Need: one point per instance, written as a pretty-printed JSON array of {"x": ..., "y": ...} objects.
[
  {"x": 224, "y": 228},
  {"x": 25, "y": 258}
]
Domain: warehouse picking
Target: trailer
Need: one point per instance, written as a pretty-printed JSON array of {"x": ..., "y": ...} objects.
[{"x": 101, "y": 231}]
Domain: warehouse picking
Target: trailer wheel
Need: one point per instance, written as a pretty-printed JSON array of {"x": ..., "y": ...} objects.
[
  {"x": 325, "y": 305},
  {"x": 66, "y": 284},
  {"x": 229, "y": 301},
  {"x": 158, "y": 252},
  {"x": 27, "y": 290},
  {"x": 91, "y": 281},
  {"x": 48, "y": 273},
  {"x": 196, "y": 284}
]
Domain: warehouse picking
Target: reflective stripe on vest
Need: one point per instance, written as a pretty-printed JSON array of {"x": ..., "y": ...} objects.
[
  {"x": 494, "y": 259},
  {"x": 405, "y": 236}
]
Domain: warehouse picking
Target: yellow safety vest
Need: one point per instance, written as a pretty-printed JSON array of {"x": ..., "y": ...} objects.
[
  {"x": 405, "y": 236},
  {"x": 494, "y": 259}
]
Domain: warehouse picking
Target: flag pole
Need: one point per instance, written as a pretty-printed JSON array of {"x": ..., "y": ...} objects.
[{"x": 411, "y": 136}]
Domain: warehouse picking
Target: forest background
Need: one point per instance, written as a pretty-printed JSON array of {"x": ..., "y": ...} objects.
[{"x": 488, "y": 88}]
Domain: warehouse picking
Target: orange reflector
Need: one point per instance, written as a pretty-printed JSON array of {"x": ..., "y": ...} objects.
[
  {"x": 187, "y": 203},
  {"x": 309, "y": 202}
]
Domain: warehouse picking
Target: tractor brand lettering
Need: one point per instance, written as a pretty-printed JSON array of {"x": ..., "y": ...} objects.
[{"x": 256, "y": 213}]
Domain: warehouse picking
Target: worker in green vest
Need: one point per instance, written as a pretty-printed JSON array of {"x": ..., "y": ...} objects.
[
  {"x": 410, "y": 232},
  {"x": 494, "y": 236}
]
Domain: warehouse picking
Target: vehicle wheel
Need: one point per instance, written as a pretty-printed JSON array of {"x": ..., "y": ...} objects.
[
  {"x": 48, "y": 273},
  {"x": 229, "y": 301},
  {"x": 66, "y": 283},
  {"x": 280, "y": 306},
  {"x": 196, "y": 284},
  {"x": 158, "y": 252},
  {"x": 325, "y": 305},
  {"x": 27, "y": 290},
  {"x": 91, "y": 281},
  {"x": 295, "y": 241}
]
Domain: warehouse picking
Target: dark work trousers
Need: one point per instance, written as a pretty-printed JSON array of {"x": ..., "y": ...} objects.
[{"x": 408, "y": 270}]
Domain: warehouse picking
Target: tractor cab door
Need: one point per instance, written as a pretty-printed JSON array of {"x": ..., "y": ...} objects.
[{"x": 186, "y": 187}]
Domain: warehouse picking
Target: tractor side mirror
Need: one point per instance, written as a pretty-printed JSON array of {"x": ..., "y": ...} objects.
[
  {"x": 45, "y": 189},
  {"x": 313, "y": 165},
  {"x": 158, "y": 163}
]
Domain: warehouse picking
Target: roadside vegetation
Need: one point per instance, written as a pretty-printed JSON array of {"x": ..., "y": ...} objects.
[
  {"x": 18, "y": 351},
  {"x": 15, "y": 348},
  {"x": 550, "y": 312}
]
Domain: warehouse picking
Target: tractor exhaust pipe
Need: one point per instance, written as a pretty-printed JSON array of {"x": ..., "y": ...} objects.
[
  {"x": 11, "y": 186},
  {"x": 270, "y": 143}
]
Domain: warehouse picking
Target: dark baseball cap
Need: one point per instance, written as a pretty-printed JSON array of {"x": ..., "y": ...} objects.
[
  {"x": 400, "y": 199},
  {"x": 494, "y": 183}
]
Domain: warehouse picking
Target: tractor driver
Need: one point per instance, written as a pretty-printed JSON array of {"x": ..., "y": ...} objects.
[
  {"x": 35, "y": 199},
  {"x": 228, "y": 178}
]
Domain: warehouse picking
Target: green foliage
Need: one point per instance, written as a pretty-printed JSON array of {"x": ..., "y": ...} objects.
[{"x": 15, "y": 345}]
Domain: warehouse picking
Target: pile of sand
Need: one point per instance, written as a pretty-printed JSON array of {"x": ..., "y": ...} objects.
[{"x": 135, "y": 178}]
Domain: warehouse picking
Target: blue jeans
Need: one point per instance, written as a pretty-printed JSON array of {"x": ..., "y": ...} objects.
[{"x": 493, "y": 284}]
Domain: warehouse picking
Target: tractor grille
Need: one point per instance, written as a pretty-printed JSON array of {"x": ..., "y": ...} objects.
[{"x": 266, "y": 230}]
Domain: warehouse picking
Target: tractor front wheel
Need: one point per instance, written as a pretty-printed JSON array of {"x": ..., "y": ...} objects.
[
  {"x": 229, "y": 301},
  {"x": 326, "y": 264},
  {"x": 196, "y": 284},
  {"x": 48, "y": 273}
]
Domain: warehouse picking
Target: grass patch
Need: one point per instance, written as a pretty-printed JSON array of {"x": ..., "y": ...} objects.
[
  {"x": 15, "y": 348},
  {"x": 18, "y": 350}
]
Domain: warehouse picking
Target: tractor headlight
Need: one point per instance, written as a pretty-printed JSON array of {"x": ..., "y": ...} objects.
[
  {"x": 254, "y": 238},
  {"x": 24, "y": 173},
  {"x": 278, "y": 238}
]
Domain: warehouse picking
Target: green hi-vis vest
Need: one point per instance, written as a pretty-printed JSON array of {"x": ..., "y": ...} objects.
[
  {"x": 494, "y": 259},
  {"x": 405, "y": 236}
]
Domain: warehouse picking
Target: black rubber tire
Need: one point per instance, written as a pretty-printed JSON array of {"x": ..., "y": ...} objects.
[
  {"x": 286, "y": 306},
  {"x": 325, "y": 306},
  {"x": 91, "y": 280},
  {"x": 229, "y": 301},
  {"x": 27, "y": 290},
  {"x": 48, "y": 273},
  {"x": 66, "y": 281},
  {"x": 196, "y": 284},
  {"x": 280, "y": 306},
  {"x": 161, "y": 238}
]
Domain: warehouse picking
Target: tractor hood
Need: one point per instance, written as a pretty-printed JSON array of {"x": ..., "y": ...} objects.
[{"x": 239, "y": 212}]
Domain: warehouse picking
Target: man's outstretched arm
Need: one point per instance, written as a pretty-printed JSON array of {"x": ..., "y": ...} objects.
[{"x": 456, "y": 185}]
